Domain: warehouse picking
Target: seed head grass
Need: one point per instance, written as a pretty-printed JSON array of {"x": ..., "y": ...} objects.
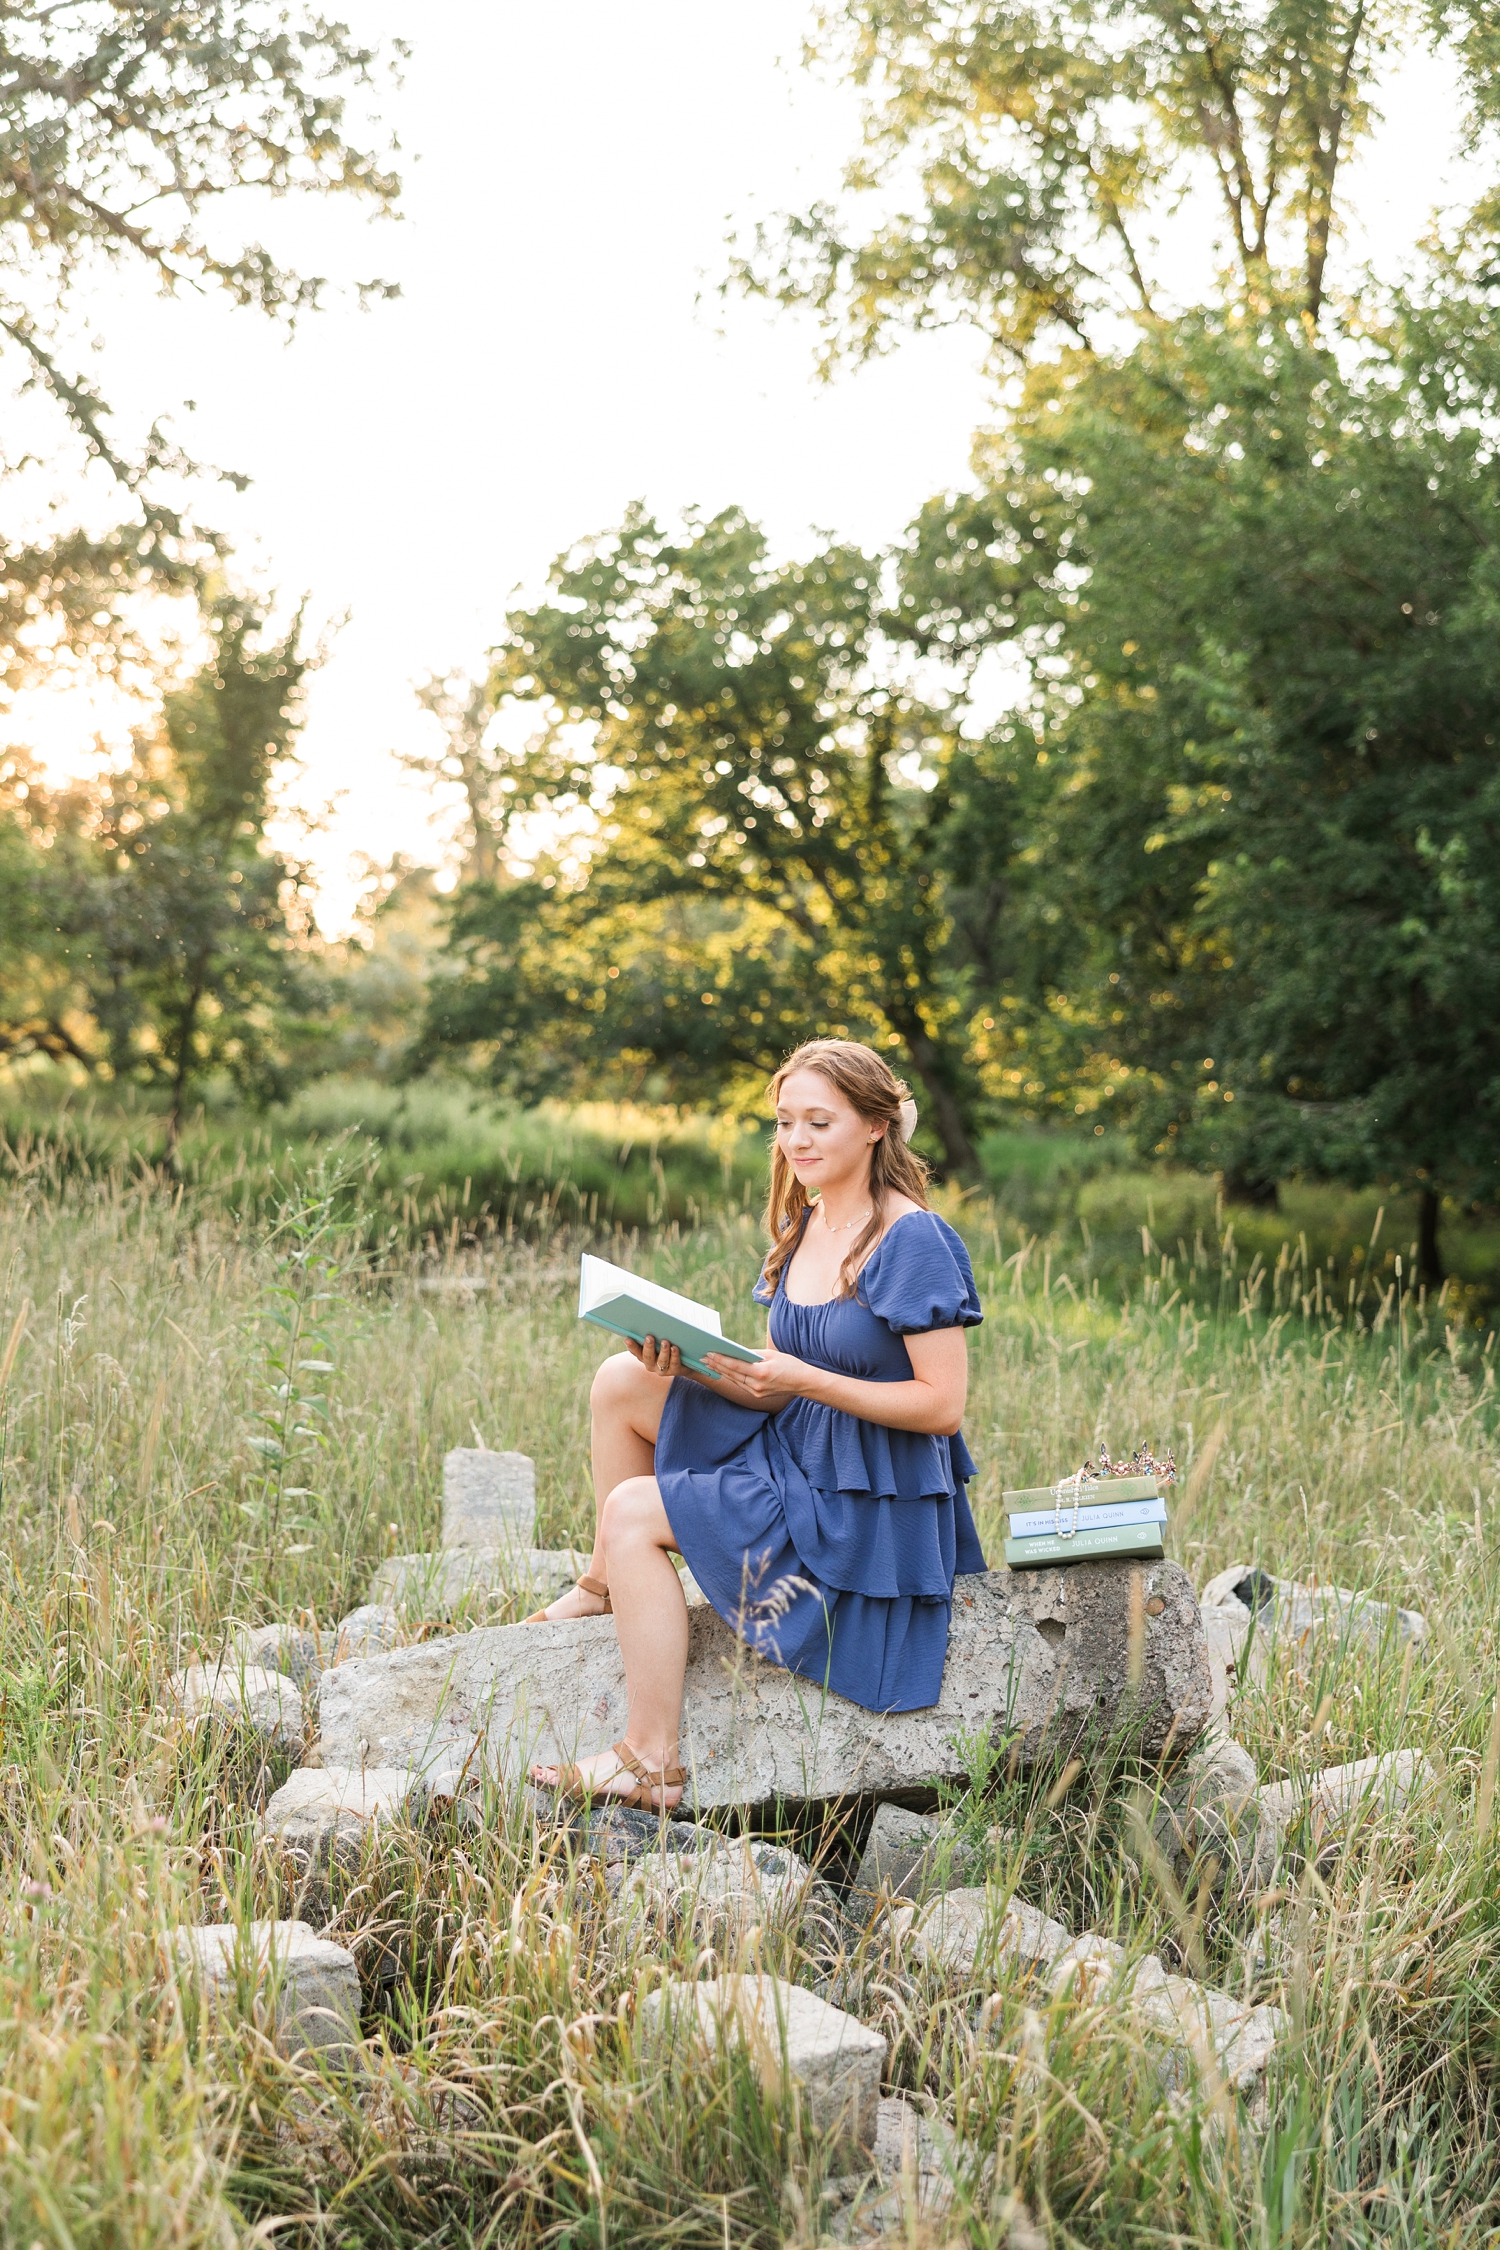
[{"x": 208, "y": 1421}]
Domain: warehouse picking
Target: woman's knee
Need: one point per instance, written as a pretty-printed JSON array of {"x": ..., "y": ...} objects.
[
  {"x": 633, "y": 1510},
  {"x": 619, "y": 1383}
]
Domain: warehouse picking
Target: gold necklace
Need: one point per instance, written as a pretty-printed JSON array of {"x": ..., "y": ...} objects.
[{"x": 849, "y": 1224}]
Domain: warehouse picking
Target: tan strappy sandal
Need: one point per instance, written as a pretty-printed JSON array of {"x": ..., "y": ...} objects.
[
  {"x": 585, "y": 1585},
  {"x": 573, "y": 1783}
]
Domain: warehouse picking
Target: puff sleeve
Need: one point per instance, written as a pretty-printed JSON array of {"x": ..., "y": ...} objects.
[{"x": 920, "y": 1278}]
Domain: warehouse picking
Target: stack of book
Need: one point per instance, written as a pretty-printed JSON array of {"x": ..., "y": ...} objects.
[{"x": 1084, "y": 1519}]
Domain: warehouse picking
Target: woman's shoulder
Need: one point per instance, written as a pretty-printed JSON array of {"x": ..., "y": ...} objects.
[
  {"x": 919, "y": 1275},
  {"x": 913, "y": 1230}
]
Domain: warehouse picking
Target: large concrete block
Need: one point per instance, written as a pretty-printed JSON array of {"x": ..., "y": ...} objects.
[
  {"x": 906, "y": 1855},
  {"x": 1205, "y": 2031},
  {"x": 367, "y": 1631},
  {"x": 719, "y": 1887},
  {"x": 489, "y": 1499},
  {"x": 291, "y": 1649},
  {"x": 834, "y": 2060},
  {"x": 1323, "y": 1812},
  {"x": 1210, "y": 1812},
  {"x": 314, "y": 1985},
  {"x": 1039, "y": 1659},
  {"x": 964, "y": 1931},
  {"x": 1293, "y": 1622},
  {"x": 327, "y": 1813},
  {"x": 231, "y": 1692}
]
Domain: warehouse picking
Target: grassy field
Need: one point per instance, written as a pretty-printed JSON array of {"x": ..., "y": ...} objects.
[
  {"x": 208, "y": 1418},
  {"x": 441, "y": 1163}
]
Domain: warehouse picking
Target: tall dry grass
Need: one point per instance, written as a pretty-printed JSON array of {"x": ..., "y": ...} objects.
[{"x": 202, "y": 1423}]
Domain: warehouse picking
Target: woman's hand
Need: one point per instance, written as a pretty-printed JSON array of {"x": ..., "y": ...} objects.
[
  {"x": 766, "y": 1383},
  {"x": 657, "y": 1359}
]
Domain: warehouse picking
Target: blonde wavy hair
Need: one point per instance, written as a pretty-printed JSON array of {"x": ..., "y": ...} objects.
[{"x": 870, "y": 1086}]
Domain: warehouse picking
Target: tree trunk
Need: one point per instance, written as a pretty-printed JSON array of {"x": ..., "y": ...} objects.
[
  {"x": 946, "y": 1116},
  {"x": 182, "y": 1064},
  {"x": 1248, "y": 1188},
  {"x": 1430, "y": 1274}
]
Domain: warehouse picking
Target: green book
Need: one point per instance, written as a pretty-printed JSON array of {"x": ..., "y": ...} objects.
[
  {"x": 1142, "y": 1539},
  {"x": 1091, "y": 1493}
]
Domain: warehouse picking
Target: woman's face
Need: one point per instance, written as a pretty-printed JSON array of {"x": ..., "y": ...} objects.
[{"x": 821, "y": 1135}]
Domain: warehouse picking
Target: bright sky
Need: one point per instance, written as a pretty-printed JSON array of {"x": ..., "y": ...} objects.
[{"x": 560, "y": 349}]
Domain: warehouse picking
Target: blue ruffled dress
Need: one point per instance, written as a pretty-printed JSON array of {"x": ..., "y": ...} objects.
[{"x": 828, "y": 1543}]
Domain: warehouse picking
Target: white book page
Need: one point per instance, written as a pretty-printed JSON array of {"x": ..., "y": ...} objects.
[{"x": 599, "y": 1281}]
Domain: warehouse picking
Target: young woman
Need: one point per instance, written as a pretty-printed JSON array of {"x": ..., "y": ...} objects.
[{"x": 818, "y": 1494}]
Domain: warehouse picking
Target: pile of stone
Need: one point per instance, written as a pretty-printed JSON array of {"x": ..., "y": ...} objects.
[
  {"x": 1042, "y": 1657},
  {"x": 1285, "y": 1623},
  {"x": 1057, "y": 1663},
  {"x": 307, "y": 1987}
]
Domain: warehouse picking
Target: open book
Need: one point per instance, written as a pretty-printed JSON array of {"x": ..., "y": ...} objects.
[{"x": 623, "y": 1303}]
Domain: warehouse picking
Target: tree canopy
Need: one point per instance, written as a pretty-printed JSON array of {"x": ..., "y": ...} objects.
[{"x": 129, "y": 137}]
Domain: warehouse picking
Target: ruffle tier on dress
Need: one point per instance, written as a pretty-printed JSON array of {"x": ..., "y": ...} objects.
[{"x": 831, "y": 1543}]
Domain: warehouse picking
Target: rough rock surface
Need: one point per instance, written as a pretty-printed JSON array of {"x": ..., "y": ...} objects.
[
  {"x": 371, "y": 1630},
  {"x": 1039, "y": 1658},
  {"x": 315, "y": 1985},
  {"x": 1209, "y": 2030},
  {"x": 1227, "y": 1628},
  {"x": 914, "y": 2164},
  {"x": 1325, "y": 1810},
  {"x": 1297, "y": 1617},
  {"x": 835, "y": 2060},
  {"x": 489, "y": 1499},
  {"x": 326, "y": 1813},
  {"x": 718, "y": 1887},
  {"x": 960, "y": 1931},
  {"x": 965, "y": 1933},
  {"x": 906, "y": 1855},
  {"x": 291, "y": 1649},
  {"x": 235, "y": 1693}
]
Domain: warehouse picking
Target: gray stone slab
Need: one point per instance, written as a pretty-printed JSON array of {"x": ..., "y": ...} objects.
[
  {"x": 489, "y": 1499},
  {"x": 835, "y": 2060},
  {"x": 1323, "y": 1812},
  {"x": 1294, "y": 1621},
  {"x": 906, "y": 1855},
  {"x": 909, "y": 2182},
  {"x": 1209, "y": 1813},
  {"x": 231, "y": 1692},
  {"x": 327, "y": 1813},
  {"x": 964, "y": 1931},
  {"x": 719, "y": 1888},
  {"x": 370, "y": 1630},
  {"x": 1204, "y": 2032},
  {"x": 291, "y": 1649},
  {"x": 314, "y": 1985},
  {"x": 1040, "y": 1659}
]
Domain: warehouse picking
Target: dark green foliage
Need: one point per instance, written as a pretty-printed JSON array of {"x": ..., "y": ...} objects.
[
  {"x": 749, "y": 751},
  {"x": 187, "y": 937},
  {"x": 1274, "y": 746}
]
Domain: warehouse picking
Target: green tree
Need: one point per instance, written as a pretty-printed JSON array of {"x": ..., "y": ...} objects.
[
  {"x": 1022, "y": 159},
  {"x": 128, "y": 139},
  {"x": 1283, "y": 778},
  {"x": 1245, "y": 547},
  {"x": 740, "y": 732},
  {"x": 44, "y": 860},
  {"x": 193, "y": 935}
]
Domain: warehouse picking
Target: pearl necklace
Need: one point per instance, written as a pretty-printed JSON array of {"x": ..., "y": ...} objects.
[{"x": 849, "y": 1224}]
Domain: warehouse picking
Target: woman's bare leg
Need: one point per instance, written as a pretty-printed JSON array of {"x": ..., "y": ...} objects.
[
  {"x": 625, "y": 1404},
  {"x": 636, "y": 1546}
]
